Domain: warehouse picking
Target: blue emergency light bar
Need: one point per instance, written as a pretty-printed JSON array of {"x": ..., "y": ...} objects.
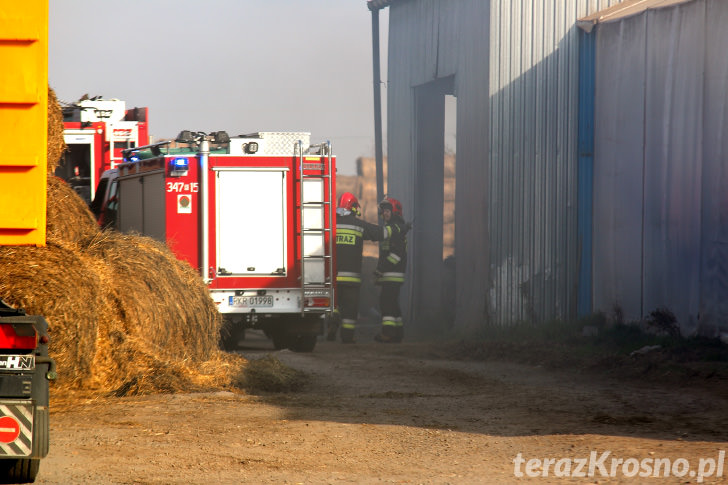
[
  {"x": 181, "y": 163},
  {"x": 179, "y": 166}
]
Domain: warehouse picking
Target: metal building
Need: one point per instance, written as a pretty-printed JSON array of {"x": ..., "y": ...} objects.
[
  {"x": 661, "y": 120},
  {"x": 513, "y": 67}
]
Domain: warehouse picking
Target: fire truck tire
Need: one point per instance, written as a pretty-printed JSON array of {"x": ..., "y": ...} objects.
[
  {"x": 303, "y": 343},
  {"x": 280, "y": 339},
  {"x": 230, "y": 335},
  {"x": 22, "y": 470},
  {"x": 229, "y": 340}
]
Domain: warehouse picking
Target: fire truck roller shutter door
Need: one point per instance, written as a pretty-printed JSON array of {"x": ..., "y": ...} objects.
[{"x": 251, "y": 222}]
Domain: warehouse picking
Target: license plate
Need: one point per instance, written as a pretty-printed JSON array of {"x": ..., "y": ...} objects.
[
  {"x": 251, "y": 301},
  {"x": 17, "y": 362}
]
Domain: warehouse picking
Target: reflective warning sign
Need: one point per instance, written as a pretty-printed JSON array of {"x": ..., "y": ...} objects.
[{"x": 184, "y": 204}]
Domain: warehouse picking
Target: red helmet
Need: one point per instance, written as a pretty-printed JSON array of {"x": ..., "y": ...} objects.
[
  {"x": 392, "y": 204},
  {"x": 348, "y": 201}
]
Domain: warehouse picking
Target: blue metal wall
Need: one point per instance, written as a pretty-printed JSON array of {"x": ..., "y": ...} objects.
[{"x": 515, "y": 65}]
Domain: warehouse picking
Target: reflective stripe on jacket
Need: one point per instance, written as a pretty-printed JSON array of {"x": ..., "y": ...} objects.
[
  {"x": 393, "y": 252},
  {"x": 391, "y": 277},
  {"x": 351, "y": 232}
]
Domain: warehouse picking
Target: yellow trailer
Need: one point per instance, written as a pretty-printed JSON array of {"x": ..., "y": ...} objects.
[
  {"x": 24, "y": 393},
  {"x": 23, "y": 121}
]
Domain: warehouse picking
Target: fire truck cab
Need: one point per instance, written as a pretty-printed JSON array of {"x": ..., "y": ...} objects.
[
  {"x": 96, "y": 131},
  {"x": 252, "y": 213}
]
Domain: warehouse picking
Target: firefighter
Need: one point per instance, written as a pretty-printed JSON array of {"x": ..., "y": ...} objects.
[
  {"x": 351, "y": 231},
  {"x": 390, "y": 269}
]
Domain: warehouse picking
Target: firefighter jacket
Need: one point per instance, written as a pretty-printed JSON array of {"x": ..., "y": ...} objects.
[
  {"x": 350, "y": 235},
  {"x": 393, "y": 252}
]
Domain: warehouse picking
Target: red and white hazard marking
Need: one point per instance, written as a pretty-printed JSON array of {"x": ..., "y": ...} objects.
[{"x": 9, "y": 429}]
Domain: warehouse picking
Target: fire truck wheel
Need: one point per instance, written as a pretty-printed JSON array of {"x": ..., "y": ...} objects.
[
  {"x": 280, "y": 339},
  {"x": 23, "y": 470},
  {"x": 230, "y": 340},
  {"x": 303, "y": 343},
  {"x": 231, "y": 334}
]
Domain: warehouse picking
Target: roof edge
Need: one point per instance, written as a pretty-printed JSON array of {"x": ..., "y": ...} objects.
[{"x": 625, "y": 9}]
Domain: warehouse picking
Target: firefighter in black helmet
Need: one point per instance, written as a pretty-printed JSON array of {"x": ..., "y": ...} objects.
[
  {"x": 391, "y": 268},
  {"x": 351, "y": 231}
]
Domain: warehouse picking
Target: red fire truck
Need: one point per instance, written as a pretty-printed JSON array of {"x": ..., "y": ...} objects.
[
  {"x": 253, "y": 213},
  {"x": 96, "y": 131}
]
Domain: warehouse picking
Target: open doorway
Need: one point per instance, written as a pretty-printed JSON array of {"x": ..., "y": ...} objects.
[
  {"x": 75, "y": 165},
  {"x": 433, "y": 236},
  {"x": 448, "y": 211}
]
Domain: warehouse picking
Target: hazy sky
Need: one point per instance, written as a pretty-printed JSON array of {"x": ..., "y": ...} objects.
[{"x": 235, "y": 65}]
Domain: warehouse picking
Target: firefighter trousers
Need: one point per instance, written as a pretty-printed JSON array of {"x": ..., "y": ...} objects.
[
  {"x": 392, "y": 323},
  {"x": 348, "y": 303}
]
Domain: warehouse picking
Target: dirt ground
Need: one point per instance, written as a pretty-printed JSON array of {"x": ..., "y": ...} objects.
[{"x": 373, "y": 413}]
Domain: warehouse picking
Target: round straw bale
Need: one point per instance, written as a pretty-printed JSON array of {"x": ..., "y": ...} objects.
[
  {"x": 124, "y": 314},
  {"x": 150, "y": 374},
  {"x": 68, "y": 217},
  {"x": 163, "y": 301},
  {"x": 56, "y": 143},
  {"x": 57, "y": 282},
  {"x": 130, "y": 362}
]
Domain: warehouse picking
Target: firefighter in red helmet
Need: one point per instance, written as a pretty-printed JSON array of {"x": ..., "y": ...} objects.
[
  {"x": 391, "y": 269},
  {"x": 351, "y": 231}
]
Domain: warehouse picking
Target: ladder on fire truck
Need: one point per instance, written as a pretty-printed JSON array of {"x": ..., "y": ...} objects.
[{"x": 317, "y": 241}]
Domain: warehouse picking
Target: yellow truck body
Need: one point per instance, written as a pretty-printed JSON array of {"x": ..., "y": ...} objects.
[{"x": 23, "y": 121}]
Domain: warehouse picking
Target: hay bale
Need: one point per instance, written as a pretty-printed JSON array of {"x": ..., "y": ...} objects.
[
  {"x": 366, "y": 168},
  {"x": 222, "y": 371},
  {"x": 449, "y": 189},
  {"x": 68, "y": 217},
  {"x": 449, "y": 165},
  {"x": 125, "y": 316},
  {"x": 150, "y": 316},
  {"x": 58, "y": 282},
  {"x": 271, "y": 375},
  {"x": 56, "y": 143},
  {"x": 133, "y": 358},
  {"x": 160, "y": 298},
  {"x": 345, "y": 183},
  {"x": 448, "y": 211}
]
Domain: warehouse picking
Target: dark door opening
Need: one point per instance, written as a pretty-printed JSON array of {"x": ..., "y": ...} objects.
[{"x": 75, "y": 168}]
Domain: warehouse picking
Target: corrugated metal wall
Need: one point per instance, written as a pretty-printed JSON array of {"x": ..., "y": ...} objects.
[
  {"x": 430, "y": 40},
  {"x": 515, "y": 64},
  {"x": 534, "y": 59},
  {"x": 660, "y": 165}
]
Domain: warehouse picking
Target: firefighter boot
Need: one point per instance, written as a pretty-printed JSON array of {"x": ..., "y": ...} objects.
[
  {"x": 347, "y": 335},
  {"x": 387, "y": 335},
  {"x": 399, "y": 330},
  {"x": 333, "y": 326}
]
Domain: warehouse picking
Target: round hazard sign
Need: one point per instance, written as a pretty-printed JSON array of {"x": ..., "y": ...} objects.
[
  {"x": 184, "y": 204},
  {"x": 9, "y": 429}
]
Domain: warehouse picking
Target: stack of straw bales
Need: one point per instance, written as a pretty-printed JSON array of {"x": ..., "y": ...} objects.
[
  {"x": 366, "y": 170},
  {"x": 364, "y": 187},
  {"x": 125, "y": 316}
]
